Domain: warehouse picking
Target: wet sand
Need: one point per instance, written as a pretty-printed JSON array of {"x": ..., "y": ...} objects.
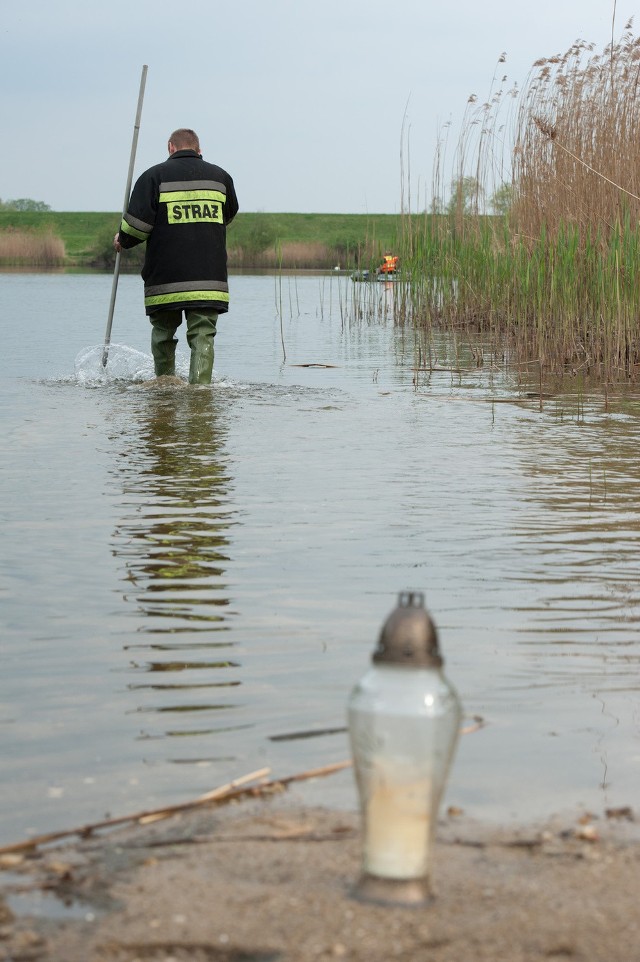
[{"x": 271, "y": 880}]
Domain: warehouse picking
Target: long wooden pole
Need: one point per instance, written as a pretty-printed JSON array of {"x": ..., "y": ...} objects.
[{"x": 116, "y": 270}]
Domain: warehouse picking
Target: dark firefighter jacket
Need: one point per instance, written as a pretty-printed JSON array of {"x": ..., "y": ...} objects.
[{"x": 181, "y": 208}]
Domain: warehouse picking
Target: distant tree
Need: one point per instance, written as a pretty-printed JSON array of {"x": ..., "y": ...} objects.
[
  {"x": 437, "y": 206},
  {"x": 103, "y": 255},
  {"x": 261, "y": 237},
  {"x": 502, "y": 200},
  {"x": 25, "y": 204},
  {"x": 466, "y": 194}
]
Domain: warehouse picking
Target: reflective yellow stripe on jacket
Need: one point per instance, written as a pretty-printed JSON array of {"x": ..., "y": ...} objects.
[{"x": 194, "y": 203}]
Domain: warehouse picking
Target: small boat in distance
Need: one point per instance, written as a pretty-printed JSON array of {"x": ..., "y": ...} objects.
[
  {"x": 375, "y": 276},
  {"x": 387, "y": 271}
]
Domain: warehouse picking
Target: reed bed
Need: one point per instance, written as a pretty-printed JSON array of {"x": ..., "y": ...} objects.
[
  {"x": 307, "y": 255},
  {"x": 31, "y": 248},
  {"x": 289, "y": 255},
  {"x": 556, "y": 279}
]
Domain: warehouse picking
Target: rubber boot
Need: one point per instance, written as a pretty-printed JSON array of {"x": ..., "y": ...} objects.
[
  {"x": 201, "y": 330},
  {"x": 164, "y": 341}
]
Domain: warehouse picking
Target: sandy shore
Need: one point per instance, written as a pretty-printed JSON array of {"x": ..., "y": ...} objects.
[{"x": 270, "y": 880}]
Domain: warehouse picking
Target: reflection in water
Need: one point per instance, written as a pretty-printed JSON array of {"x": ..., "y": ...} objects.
[
  {"x": 580, "y": 521},
  {"x": 174, "y": 545},
  {"x": 584, "y": 518}
]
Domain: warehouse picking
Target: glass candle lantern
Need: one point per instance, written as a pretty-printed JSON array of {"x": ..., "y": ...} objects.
[{"x": 404, "y": 722}]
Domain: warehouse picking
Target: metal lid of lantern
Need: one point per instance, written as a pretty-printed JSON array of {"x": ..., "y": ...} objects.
[{"x": 408, "y": 636}]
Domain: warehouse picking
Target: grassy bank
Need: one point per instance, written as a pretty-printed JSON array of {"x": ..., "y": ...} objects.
[{"x": 319, "y": 241}]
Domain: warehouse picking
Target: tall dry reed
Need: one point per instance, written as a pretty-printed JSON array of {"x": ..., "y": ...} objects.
[
  {"x": 576, "y": 154},
  {"x": 31, "y": 248},
  {"x": 558, "y": 277},
  {"x": 288, "y": 255}
]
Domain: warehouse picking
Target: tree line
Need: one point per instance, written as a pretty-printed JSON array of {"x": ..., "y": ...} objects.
[
  {"x": 25, "y": 203},
  {"x": 468, "y": 197}
]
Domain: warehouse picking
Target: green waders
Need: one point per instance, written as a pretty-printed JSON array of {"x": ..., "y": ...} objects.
[{"x": 201, "y": 330}]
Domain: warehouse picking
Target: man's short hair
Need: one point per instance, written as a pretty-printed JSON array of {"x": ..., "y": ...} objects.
[{"x": 185, "y": 139}]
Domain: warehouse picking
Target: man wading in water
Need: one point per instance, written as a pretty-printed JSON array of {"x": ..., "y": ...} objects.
[{"x": 181, "y": 208}]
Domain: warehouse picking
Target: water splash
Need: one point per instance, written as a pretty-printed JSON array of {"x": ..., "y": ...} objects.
[{"x": 124, "y": 364}]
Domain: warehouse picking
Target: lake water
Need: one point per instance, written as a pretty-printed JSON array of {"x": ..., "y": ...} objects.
[{"x": 191, "y": 576}]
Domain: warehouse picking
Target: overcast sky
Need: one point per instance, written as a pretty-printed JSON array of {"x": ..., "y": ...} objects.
[{"x": 303, "y": 103}]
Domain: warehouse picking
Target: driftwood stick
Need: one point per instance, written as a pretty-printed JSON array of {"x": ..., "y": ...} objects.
[
  {"x": 245, "y": 785},
  {"x": 141, "y": 817},
  {"x": 476, "y": 723},
  {"x": 254, "y": 783},
  {"x": 311, "y": 773},
  {"x": 144, "y": 818},
  {"x": 223, "y": 789}
]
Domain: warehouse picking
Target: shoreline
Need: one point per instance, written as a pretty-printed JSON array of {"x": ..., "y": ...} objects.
[{"x": 271, "y": 879}]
